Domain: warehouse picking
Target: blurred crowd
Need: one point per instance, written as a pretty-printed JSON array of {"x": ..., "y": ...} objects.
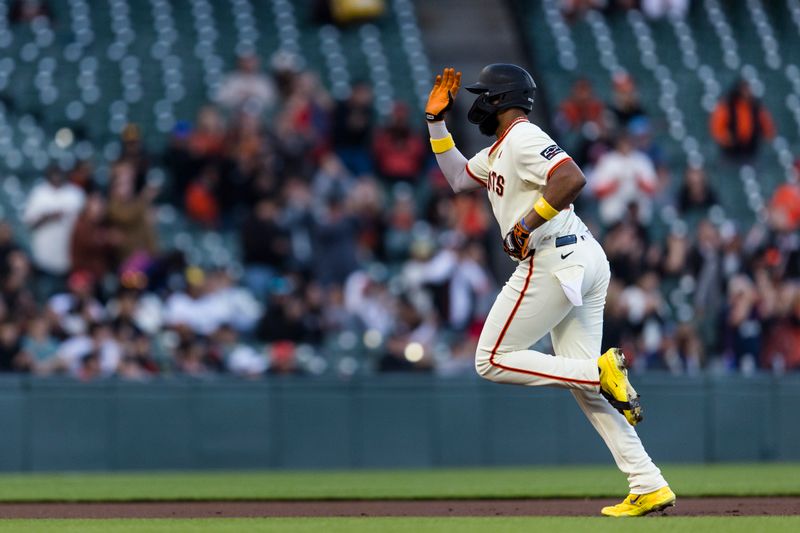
[
  {"x": 692, "y": 287},
  {"x": 355, "y": 256},
  {"x": 653, "y": 9}
]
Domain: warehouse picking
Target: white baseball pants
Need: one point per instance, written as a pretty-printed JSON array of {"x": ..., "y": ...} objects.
[{"x": 563, "y": 291}]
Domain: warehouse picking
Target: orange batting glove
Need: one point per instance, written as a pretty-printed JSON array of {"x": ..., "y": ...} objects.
[
  {"x": 443, "y": 94},
  {"x": 516, "y": 241}
]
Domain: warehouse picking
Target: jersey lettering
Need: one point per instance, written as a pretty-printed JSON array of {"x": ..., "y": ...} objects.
[{"x": 496, "y": 183}]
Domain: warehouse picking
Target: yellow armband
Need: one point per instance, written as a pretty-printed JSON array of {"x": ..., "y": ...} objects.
[
  {"x": 442, "y": 145},
  {"x": 544, "y": 209}
]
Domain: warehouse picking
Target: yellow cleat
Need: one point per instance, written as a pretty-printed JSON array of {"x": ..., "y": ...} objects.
[
  {"x": 616, "y": 388},
  {"x": 642, "y": 504}
]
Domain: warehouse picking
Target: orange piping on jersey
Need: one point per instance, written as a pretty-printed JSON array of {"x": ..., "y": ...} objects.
[
  {"x": 476, "y": 178},
  {"x": 503, "y": 136},
  {"x": 503, "y": 334},
  {"x": 550, "y": 172}
]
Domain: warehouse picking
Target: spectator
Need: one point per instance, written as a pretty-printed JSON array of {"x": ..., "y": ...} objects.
[
  {"x": 581, "y": 121},
  {"x": 335, "y": 242},
  {"x": 127, "y": 315},
  {"x": 784, "y": 207},
  {"x": 743, "y": 332},
  {"x": 625, "y": 105},
  {"x": 82, "y": 176},
  {"x": 207, "y": 141},
  {"x": 15, "y": 274},
  {"x": 240, "y": 359},
  {"x": 656, "y": 9},
  {"x": 352, "y": 127},
  {"x": 51, "y": 211},
  {"x": 179, "y": 161},
  {"x": 265, "y": 247},
  {"x": 91, "y": 355},
  {"x": 283, "y": 360},
  {"x": 25, "y": 11},
  {"x": 332, "y": 178},
  {"x": 626, "y": 249},
  {"x": 298, "y": 219},
  {"x": 409, "y": 348},
  {"x": 40, "y": 345},
  {"x": 248, "y": 149},
  {"x": 739, "y": 123},
  {"x": 576, "y": 9},
  {"x": 77, "y": 308},
  {"x": 209, "y": 301},
  {"x": 247, "y": 88},
  {"x": 683, "y": 350},
  {"x": 93, "y": 246},
  {"x": 622, "y": 177},
  {"x": 285, "y": 319},
  {"x": 192, "y": 358},
  {"x": 782, "y": 350},
  {"x": 12, "y": 357},
  {"x": 583, "y": 124},
  {"x": 135, "y": 153},
  {"x": 308, "y": 108},
  {"x": 129, "y": 213},
  {"x": 695, "y": 194},
  {"x": 137, "y": 359},
  {"x": 640, "y": 130},
  {"x": 7, "y": 248},
  {"x": 201, "y": 201},
  {"x": 580, "y": 108},
  {"x": 704, "y": 262},
  {"x": 644, "y": 309},
  {"x": 399, "y": 151}
]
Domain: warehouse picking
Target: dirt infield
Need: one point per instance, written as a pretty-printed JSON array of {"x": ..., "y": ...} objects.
[{"x": 544, "y": 507}]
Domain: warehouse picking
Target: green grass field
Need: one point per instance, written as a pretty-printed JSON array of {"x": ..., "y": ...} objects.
[{"x": 551, "y": 482}]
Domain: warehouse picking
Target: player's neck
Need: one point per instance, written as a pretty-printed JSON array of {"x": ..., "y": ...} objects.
[{"x": 505, "y": 118}]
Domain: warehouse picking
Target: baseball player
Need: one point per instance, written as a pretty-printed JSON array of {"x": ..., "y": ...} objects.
[{"x": 559, "y": 285}]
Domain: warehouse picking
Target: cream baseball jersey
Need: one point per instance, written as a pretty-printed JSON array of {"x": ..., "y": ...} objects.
[{"x": 515, "y": 170}]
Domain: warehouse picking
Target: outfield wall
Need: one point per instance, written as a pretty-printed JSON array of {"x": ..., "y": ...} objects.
[{"x": 383, "y": 421}]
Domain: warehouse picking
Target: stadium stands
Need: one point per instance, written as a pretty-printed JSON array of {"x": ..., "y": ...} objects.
[
  {"x": 682, "y": 67},
  {"x": 352, "y": 272}
]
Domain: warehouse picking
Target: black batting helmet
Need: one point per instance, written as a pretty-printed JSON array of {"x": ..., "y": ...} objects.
[{"x": 501, "y": 86}]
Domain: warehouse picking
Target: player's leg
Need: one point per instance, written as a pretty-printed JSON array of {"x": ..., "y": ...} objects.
[
  {"x": 529, "y": 306},
  {"x": 579, "y": 335}
]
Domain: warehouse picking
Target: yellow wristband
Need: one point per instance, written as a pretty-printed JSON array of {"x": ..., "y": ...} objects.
[
  {"x": 544, "y": 209},
  {"x": 442, "y": 145}
]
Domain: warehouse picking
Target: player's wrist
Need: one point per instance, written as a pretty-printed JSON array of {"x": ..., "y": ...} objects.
[
  {"x": 544, "y": 209},
  {"x": 438, "y": 129},
  {"x": 439, "y": 146}
]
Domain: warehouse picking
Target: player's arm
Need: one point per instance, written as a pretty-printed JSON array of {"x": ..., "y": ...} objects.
[
  {"x": 561, "y": 190},
  {"x": 449, "y": 158}
]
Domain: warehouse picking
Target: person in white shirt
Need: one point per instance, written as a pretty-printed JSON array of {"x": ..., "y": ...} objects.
[
  {"x": 50, "y": 212},
  {"x": 622, "y": 177},
  {"x": 531, "y": 183},
  {"x": 247, "y": 89}
]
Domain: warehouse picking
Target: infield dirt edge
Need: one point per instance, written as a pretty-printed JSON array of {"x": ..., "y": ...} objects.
[{"x": 711, "y": 506}]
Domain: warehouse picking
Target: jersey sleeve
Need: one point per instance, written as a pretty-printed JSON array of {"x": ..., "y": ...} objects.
[
  {"x": 538, "y": 156},
  {"x": 478, "y": 167}
]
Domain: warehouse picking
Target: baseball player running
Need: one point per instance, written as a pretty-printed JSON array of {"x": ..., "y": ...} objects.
[{"x": 559, "y": 285}]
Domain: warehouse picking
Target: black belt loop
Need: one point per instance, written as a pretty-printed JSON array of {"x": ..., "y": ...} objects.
[{"x": 566, "y": 240}]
